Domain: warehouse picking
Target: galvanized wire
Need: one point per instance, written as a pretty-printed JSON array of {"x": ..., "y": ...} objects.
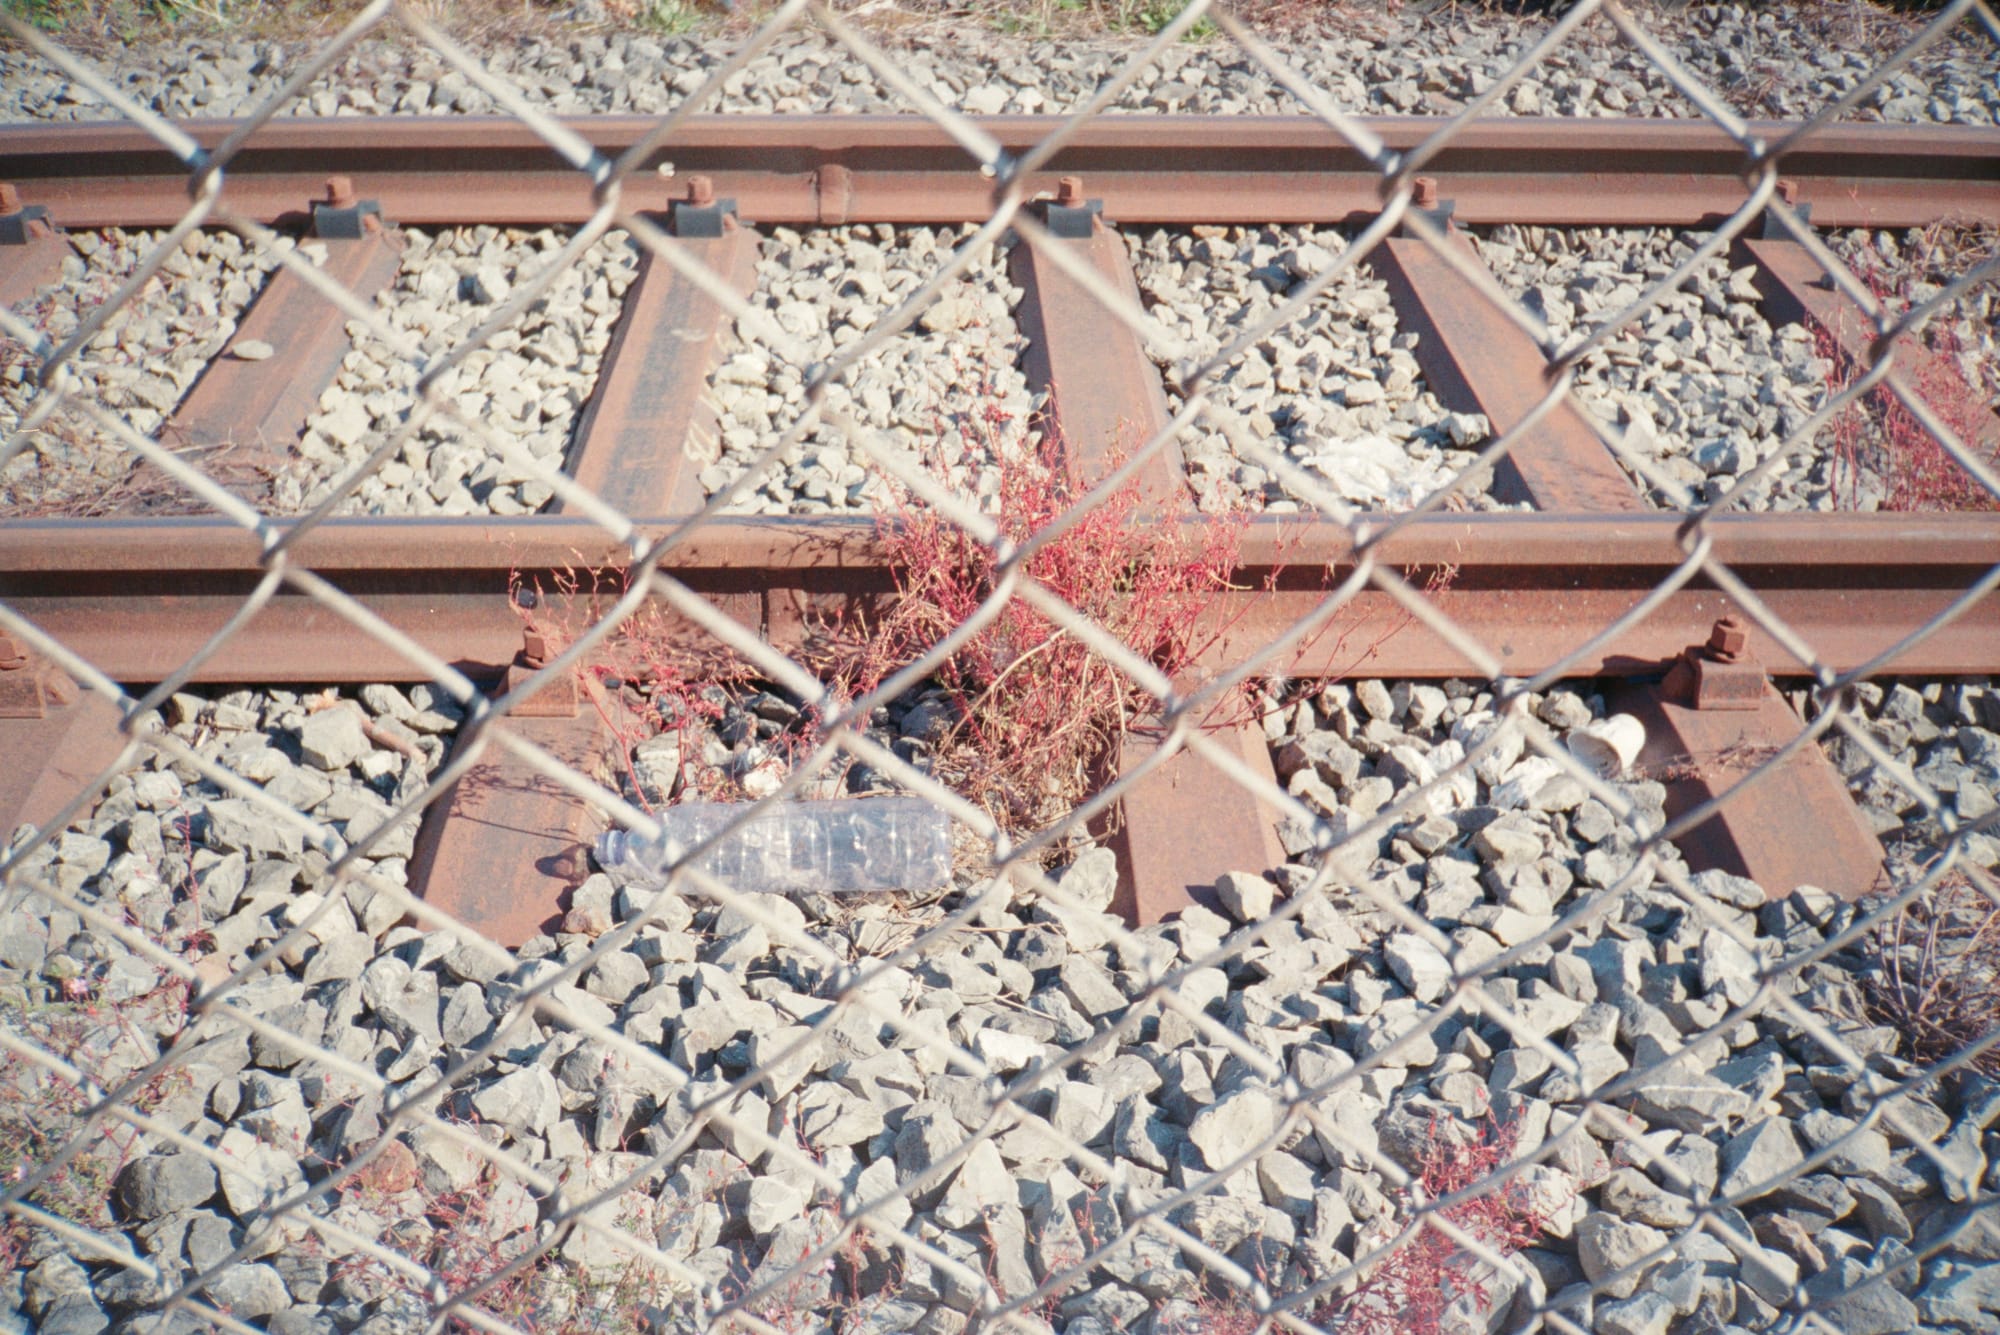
[{"x": 1124, "y": 1215}]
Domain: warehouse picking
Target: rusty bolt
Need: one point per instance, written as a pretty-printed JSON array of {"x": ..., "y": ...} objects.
[
  {"x": 1727, "y": 640},
  {"x": 340, "y": 192},
  {"x": 1069, "y": 191},
  {"x": 526, "y": 597},
  {"x": 534, "y": 646},
  {"x": 1427, "y": 192},
  {"x": 701, "y": 191},
  {"x": 11, "y": 657},
  {"x": 10, "y": 198}
]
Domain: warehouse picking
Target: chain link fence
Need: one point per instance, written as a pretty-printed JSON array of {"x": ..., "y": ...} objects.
[{"x": 1649, "y": 1101}]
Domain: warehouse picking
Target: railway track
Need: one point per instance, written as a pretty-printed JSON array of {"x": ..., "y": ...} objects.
[
  {"x": 1561, "y": 591},
  {"x": 1573, "y": 570}
]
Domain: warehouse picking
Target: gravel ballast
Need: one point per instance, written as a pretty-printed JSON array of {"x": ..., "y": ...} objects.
[
  {"x": 1702, "y": 386},
  {"x": 1410, "y": 1004},
  {"x": 1764, "y": 63},
  {"x": 529, "y": 382},
  {"x": 1491, "y": 859},
  {"x": 1338, "y": 389},
  {"x": 140, "y": 366},
  {"x": 947, "y": 390}
]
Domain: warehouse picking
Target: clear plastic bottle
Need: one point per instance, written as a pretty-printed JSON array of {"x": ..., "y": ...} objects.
[{"x": 846, "y": 846}]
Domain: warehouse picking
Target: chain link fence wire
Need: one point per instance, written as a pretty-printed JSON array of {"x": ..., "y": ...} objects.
[{"x": 1658, "y": 1104}]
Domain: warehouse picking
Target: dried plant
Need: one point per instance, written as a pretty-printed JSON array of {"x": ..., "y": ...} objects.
[
  {"x": 1413, "y": 1289},
  {"x": 1936, "y": 974},
  {"x": 1035, "y": 710},
  {"x": 1878, "y": 433}
]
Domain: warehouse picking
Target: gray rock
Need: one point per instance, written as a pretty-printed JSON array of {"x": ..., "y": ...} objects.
[
  {"x": 1631, "y": 1195},
  {"x": 1288, "y": 1184},
  {"x": 234, "y": 825},
  {"x": 332, "y": 739},
  {"x": 1090, "y": 987},
  {"x": 1727, "y": 969},
  {"x": 1770, "y": 1274},
  {"x": 981, "y": 1182},
  {"x": 259, "y": 1175},
  {"x": 72, "y": 1314},
  {"x": 161, "y": 1184},
  {"x": 1880, "y": 1212},
  {"x": 764, "y": 1203},
  {"x": 1418, "y": 966},
  {"x": 1232, "y": 1127},
  {"x": 1143, "y": 1136},
  {"x": 1081, "y": 1111},
  {"x": 1962, "y": 1162},
  {"x": 1092, "y": 879},
  {"x": 1507, "y": 842},
  {"x": 1005, "y": 1051},
  {"x": 1861, "y": 1153},
  {"x": 786, "y": 1056},
  {"x": 250, "y": 1292},
  {"x": 1693, "y": 1102},
  {"x": 1757, "y": 1157},
  {"x": 526, "y": 1102},
  {"x": 929, "y": 1134},
  {"x": 57, "y": 1294},
  {"x": 1246, "y": 897},
  {"x": 1845, "y": 1297},
  {"x": 1606, "y": 1244},
  {"x": 1969, "y": 1298},
  {"x": 1645, "y": 1314}
]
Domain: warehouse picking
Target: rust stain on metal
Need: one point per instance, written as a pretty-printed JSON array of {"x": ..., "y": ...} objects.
[
  {"x": 557, "y": 699},
  {"x": 1105, "y": 395},
  {"x": 36, "y": 261},
  {"x": 1249, "y": 169},
  {"x": 1720, "y": 675},
  {"x": 68, "y": 734},
  {"x": 1714, "y": 720},
  {"x": 31, "y": 686},
  {"x": 651, "y": 424},
  {"x": 503, "y": 844},
  {"x": 833, "y": 194},
  {"x": 1162, "y": 865},
  {"x": 247, "y": 415},
  {"x": 1795, "y": 290},
  {"x": 1478, "y": 361},
  {"x": 138, "y": 598},
  {"x": 71, "y": 744}
]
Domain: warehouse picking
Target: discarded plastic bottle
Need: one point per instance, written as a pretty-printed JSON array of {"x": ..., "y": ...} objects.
[{"x": 838, "y": 847}]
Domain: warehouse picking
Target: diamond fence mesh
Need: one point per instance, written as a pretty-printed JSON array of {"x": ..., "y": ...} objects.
[{"x": 1649, "y": 1101}]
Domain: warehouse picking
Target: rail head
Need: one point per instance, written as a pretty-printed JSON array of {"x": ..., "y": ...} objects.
[
  {"x": 906, "y": 169},
  {"x": 1915, "y": 549}
]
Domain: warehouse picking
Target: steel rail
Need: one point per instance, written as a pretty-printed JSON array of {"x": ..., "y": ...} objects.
[
  {"x": 905, "y": 169},
  {"x": 136, "y": 597},
  {"x": 141, "y": 598}
]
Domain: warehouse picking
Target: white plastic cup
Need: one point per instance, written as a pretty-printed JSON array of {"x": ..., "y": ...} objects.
[{"x": 1608, "y": 746}]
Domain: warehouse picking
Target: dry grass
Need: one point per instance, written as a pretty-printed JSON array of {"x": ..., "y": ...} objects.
[
  {"x": 1426, "y": 1283},
  {"x": 1936, "y": 975},
  {"x": 1035, "y": 711},
  {"x": 1878, "y": 433},
  {"x": 481, "y": 1240},
  {"x": 52, "y": 1132}
]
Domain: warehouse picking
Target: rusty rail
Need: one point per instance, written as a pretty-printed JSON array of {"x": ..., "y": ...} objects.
[
  {"x": 905, "y": 169},
  {"x": 140, "y": 598},
  {"x": 137, "y": 597}
]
